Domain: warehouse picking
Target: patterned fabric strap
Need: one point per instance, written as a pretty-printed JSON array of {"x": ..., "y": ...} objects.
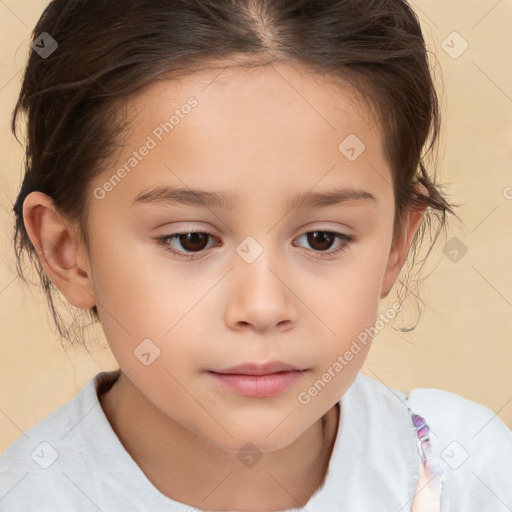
[{"x": 427, "y": 496}]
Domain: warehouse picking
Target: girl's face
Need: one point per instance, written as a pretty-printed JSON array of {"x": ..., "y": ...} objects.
[{"x": 255, "y": 284}]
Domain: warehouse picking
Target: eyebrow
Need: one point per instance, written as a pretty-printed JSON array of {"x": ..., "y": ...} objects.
[{"x": 166, "y": 195}]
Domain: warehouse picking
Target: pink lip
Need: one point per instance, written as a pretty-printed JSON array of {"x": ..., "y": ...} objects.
[
  {"x": 259, "y": 368},
  {"x": 258, "y": 380}
]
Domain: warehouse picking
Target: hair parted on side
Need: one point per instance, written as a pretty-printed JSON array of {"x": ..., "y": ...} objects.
[{"x": 110, "y": 49}]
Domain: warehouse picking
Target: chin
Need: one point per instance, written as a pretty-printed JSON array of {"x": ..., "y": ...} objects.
[{"x": 255, "y": 439}]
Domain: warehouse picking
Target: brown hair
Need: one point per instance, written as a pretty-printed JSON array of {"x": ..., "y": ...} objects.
[{"x": 109, "y": 49}]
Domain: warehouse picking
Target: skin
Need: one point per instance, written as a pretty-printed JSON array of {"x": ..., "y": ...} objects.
[{"x": 265, "y": 134}]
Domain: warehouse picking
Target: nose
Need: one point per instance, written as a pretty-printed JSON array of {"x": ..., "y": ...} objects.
[{"x": 259, "y": 296}]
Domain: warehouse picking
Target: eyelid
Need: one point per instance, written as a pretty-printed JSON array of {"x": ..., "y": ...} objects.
[
  {"x": 344, "y": 239},
  {"x": 163, "y": 242}
]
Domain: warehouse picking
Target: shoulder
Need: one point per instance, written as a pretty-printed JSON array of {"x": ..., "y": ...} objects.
[
  {"x": 448, "y": 415},
  {"x": 47, "y": 459},
  {"x": 473, "y": 445},
  {"x": 452, "y": 416}
]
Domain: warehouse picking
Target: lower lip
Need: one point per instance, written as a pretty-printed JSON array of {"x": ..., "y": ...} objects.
[{"x": 259, "y": 386}]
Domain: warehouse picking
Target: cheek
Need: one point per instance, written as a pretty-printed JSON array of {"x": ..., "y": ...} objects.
[
  {"x": 350, "y": 296},
  {"x": 135, "y": 284},
  {"x": 142, "y": 296},
  {"x": 349, "y": 308}
]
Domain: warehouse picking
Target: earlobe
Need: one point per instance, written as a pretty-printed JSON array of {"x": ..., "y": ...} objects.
[{"x": 58, "y": 249}]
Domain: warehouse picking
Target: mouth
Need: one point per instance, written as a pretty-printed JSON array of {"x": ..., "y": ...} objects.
[
  {"x": 259, "y": 369},
  {"x": 259, "y": 380}
]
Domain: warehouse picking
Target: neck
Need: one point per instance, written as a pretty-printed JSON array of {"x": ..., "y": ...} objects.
[{"x": 190, "y": 469}]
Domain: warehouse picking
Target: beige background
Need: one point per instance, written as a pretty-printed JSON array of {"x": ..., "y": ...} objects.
[{"x": 463, "y": 340}]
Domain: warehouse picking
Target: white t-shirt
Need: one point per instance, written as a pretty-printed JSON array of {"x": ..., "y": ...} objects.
[{"x": 72, "y": 461}]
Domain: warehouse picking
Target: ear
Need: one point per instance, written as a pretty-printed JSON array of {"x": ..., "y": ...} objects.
[
  {"x": 66, "y": 264},
  {"x": 400, "y": 249}
]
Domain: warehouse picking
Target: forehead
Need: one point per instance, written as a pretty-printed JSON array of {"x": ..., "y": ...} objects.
[
  {"x": 252, "y": 128},
  {"x": 270, "y": 85}
]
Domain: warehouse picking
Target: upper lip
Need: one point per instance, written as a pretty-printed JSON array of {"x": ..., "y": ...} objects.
[{"x": 259, "y": 368}]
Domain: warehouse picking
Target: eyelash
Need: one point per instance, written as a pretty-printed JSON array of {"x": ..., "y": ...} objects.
[{"x": 163, "y": 241}]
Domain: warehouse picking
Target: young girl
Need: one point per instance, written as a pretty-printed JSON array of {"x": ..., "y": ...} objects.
[{"x": 230, "y": 187}]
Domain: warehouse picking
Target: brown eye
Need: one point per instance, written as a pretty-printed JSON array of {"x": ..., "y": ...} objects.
[
  {"x": 322, "y": 241},
  {"x": 193, "y": 241},
  {"x": 190, "y": 245},
  {"x": 186, "y": 244}
]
